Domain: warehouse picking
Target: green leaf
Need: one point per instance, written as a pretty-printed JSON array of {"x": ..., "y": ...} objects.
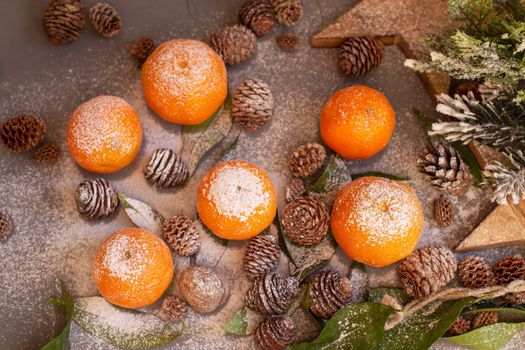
[
  {"x": 427, "y": 325},
  {"x": 128, "y": 329},
  {"x": 491, "y": 337},
  {"x": 334, "y": 176},
  {"x": 354, "y": 327},
  {"x": 237, "y": 324},
  {"x": 470, "y": 160},
  {"x": 376, "y": 295},
  {"x": 141, "y": 214},
  {"x": 61, "y": 342},
  {"x": 380, "y": 174},
  {"x": 199, "y": 139}
]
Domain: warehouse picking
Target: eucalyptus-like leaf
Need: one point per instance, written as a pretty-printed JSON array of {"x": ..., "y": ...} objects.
[
  {"x": 491, "y": 337},
  {"x": 65, "y": 302},
  {"x": 334, "y": 176},
  {"x": 141, "y": 214},
  {"x": 471, "y": 161},
  {"x": 128, "y": 329},
  {"x": 237, "y": 324}
]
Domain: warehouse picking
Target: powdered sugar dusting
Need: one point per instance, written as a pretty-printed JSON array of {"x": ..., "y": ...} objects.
[{"x": 125, "y": 258}]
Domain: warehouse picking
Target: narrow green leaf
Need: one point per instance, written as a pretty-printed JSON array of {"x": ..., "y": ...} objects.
[
  {"x": 354, "y": 327},
  {"x": 141, "y": 214},
  {"x": 380, "y": 174},
  {"x": 491, "y": 337},
  {"x": 424, "y": 118},
  {"x": 470, "y": 160},
  {"x": 376, "y": 295},
  {"x": 65, "y": 303},
  {"x": 237, "y": 324}
]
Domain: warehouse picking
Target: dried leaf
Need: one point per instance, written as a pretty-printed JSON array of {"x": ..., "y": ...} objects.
[{"x": 141, "y": 214}]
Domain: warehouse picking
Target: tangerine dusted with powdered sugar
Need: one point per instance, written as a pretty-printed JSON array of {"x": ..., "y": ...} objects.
[
  {"x": 184, "y": 81},
  {"x": 236, "y": 200},
  {"x": 104, "y": 134},
  {"x": 377, "y": 221},
  {"x": 132, "y": 268}
]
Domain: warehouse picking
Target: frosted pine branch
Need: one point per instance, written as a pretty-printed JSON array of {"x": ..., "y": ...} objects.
[{"x": 508, "y": 183}]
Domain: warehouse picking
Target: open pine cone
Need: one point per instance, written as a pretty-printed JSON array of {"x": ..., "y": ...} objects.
[
  {"x": 329, "y": 292},
  {"x": 261, "y": 255},
  {"x": 48, "y": 154},
  {"x": 181, "y": 235},
  {"x": 142, "y": 48},
  {"x": 5, "y": 225},
  {"x": 459, "y": 326},
  {"x": 64, "y": 20},
  {"x": 105, "y": 19},
  {"x": 96, "y": 199},
  {"x": 508, "y": 269},
  {"x": 444, "y": 212},
  {"x": 272, "y": 294},
  {"x": 22, "y": 133},
  {"x": 305, "y": 221},
  {"x": 288, "y": 41},
  {"x": 427, "y": 270},
  {"x": 474, "y": 272},
  {"x": 307, "y": 159},
  {"x": 235, "y": 44},
  {"x": 258, "y": 16},
  {"x": 295, "y": 189},
  {"x": 275, "y": 333},
  {"x": 359, "y": 55},
  {"x": 252, "y": 104},
  {"x": 173, "y": 308},
  {"x": 288, "y": 12},
  {"x": 482, "y": 319},
  {"x": 166, "y": 169}
]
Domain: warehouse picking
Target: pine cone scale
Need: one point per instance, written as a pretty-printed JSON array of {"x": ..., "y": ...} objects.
[
  {"x": 96, "y": 199},
  {"x": 166, "y": 169}
]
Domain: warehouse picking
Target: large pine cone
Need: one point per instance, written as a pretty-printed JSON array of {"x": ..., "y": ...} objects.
[
  {"x": 166, "y": 169},
  {"x": 142, "y": 48},
  {"x": 96, "y": 199},
  {"x": 23, "y": 132},
  {"x": 445, "y": 169},
  {"x": 5, "y": 225},
  {"x": 427, "y": 270},
  {"x": 359, "y": 55},
  {"x": 508, "y": 269},
  {"x": 275, "y": 333},
  {"x": 482, "y": 319},
  {"x": 329, "y": 292},
  {"x": 181, "y": 235},
  {"x": 475, "y": 272},
  {"x": 48, "y": 154},
  {"x": 235, "y": 44},
  {"x": 307, "y": 159},
  {"x": 262, "y": 255},
  {"x": 272, "y": 294},
  {"x": 459, "y": 326},
  {"x": 105, "y": 19},
  {"x": 288, "y": 12},
  {"x": 252, "y": 104},
  {"x": 295, "y": 189},
  {"x": 173, "y": 308},
  {"x": 64, "y": 20},
  {"x": 444, "y": 212},
  {"x": 305, "y": 221},
  {"x": 258, "y": 16}
]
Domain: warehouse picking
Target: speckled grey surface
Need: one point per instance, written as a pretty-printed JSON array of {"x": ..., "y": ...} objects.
[{"x": 51, "y": 241}]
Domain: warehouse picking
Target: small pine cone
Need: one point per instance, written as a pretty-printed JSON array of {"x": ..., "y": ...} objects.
[
  {"x": 305, "y": 221},
  {"x": 307, "y": 159},
  {"x": 445, "y": 169},
  {"x": 96, "y": 199},
  {"x": 288, "y": 12},
  {"x": 258, "y": 16},
  {"x": 444, "y": 212},
  {"x": 5, "y": 225},
  {"x": 64, "y": 20},
  {"x": 272, "y": 293},
  {"x": 23, "y": 132},
  {"x": 48, "y": 154},
  {"x": 475, "y": 272},
  {"x": 262, "y": 255},
  {"x": 459, "y": 326},
  {"x": 166, "y": 169},
  {"x": 295, "y": 189},
  {"x": 275, "y": 333},
  {"x": 359, "y": 55},
  {"x": 181, "y": 235},
  {"x": 235, "y": 44},
  {"x": 142, "y": 48},
  {"x": 288, "y": 42},
  {"x": 510, "y": 268},
  {"x": 482, "y": 319},
  {"x": 173, "y": 309},
  {"x": 105, "y": 19},
  {"x": 252, "y": 104},
  {"x": 427, "y": 270},
  {"x": 329, "y": 292}
]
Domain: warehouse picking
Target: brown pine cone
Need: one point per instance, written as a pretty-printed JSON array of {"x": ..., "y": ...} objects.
[
  {"x": 142, "y": 48},
  {"x": 459, "y": 326},
  {"x": 105, "y": 19},
  {"x": 181, "y": 235},
  {"x": 96, "y": 199},
  {"x": 288, "y": 12},
  {"x": 252, "y": 104},
  {"x": 275, "y": 333},
  {"x": 272, "y": 293},
  {"x": 261, "y": 255},
  {"x": 173, "y": 309},
  {"x": 427, "y": 270},
  {"x": 288, "y": 42},
  {"x": 329, "y": 292},
  {"x": 295, "y": 189},
  {"x": 445, "y": 169},
  {"x": 5, "y": 225},
  {"x": 359, "y": 55},
  {"x": 475, "y": 272},
  {"x": 482, "y": 319},
  {"x": 508, "y": 269},
  {"x": 235, "y": 44},
  {"x": 305, "y": 221},
  {"x": 166, "y": 169},
  {"x": 64, "y": 20},
  {"x": 48, "y": 154},
  {"x": 515, "y": 298},
  {"x": 444, "y": 212},
  {"x": 23, "y": 132},
  {"x": 258, "y": 16},
  {"x": 307, "y": 159}
]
